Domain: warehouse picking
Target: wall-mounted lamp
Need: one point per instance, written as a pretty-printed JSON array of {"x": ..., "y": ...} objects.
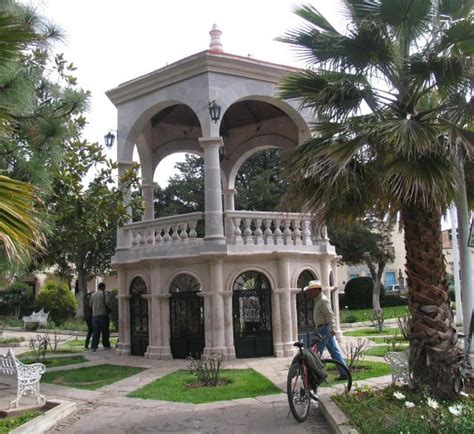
[
  {"x": 109, "y": 139},
  {"x": 214, "y": 110}
]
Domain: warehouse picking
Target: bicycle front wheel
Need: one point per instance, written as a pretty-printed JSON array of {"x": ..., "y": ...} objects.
[
  {"x": 337, "y": 373},
  {"x": 298, "y": 395}
]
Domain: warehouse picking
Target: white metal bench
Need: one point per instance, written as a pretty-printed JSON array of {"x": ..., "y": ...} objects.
[
  {"x": 40, "y": 317},
  {"x": 28, "y": 377},
  {"x": 399, "y": 366}
]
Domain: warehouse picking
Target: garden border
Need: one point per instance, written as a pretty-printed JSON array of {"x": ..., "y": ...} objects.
[
  {"x": 47, "y": 420},
  {"x": 338, "y": 421}
]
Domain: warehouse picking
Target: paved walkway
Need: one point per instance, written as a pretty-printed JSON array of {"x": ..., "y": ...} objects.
[{"x": 108, "y": 410}]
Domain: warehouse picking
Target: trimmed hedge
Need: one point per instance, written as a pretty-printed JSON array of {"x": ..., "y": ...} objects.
[
  {"x": 57, "y": 299},
  {"x": 358, "y": 293},
  {"x": 394, "y": 300}
]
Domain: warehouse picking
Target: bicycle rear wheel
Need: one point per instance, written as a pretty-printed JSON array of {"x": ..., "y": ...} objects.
[
  {"x": 335, "y": 371},
  {"x": 298, "y": 395}
]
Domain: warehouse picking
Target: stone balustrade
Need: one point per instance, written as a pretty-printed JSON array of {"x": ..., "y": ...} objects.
[
  {"x": 165, "y": 230},
  {"x": 272, "y": 228}
]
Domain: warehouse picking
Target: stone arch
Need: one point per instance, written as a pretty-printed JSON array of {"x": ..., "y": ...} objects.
[
  {"x": 142, "y": 276},
  {"x": 186, "y": 315},
  {"x": 236, "y": 273},
  {"x": 182, "y": 271},
  {"x": 299, "y": 270},
  {"x": 304, "y": 305},
  {"x": 252, "y": 314},
  {"x": 139, "y": 323}
]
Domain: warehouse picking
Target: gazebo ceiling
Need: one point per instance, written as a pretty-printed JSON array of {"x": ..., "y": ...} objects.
[
  {"x": 249, "y": 112},
  {"x": 176, "y": 115}
]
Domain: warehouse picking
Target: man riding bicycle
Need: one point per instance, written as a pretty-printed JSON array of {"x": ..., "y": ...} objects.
[{"x": 324, "y": 322}]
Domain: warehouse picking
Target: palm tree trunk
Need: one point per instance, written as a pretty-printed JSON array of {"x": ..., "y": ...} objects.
[{"x": 435, "y": 356}]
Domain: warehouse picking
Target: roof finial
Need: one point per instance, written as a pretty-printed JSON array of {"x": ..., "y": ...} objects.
[{"x": 216, "y": 44}]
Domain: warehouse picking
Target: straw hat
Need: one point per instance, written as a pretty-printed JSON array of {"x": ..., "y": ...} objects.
[{"x": 313, "y": 284}]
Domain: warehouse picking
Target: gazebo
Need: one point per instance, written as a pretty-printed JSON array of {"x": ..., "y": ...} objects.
[{"x": 236, "y": 287}]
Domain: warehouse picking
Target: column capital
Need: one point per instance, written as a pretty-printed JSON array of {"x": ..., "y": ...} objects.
[
  {"x": 209, "y": 142},
  {"x": 125, "y": 164},
  {"x": 147, "y": 185},
  {"x": 229, "y": 191}
]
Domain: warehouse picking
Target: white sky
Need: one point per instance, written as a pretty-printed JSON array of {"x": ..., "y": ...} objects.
[{"x": 112, "y": 41}]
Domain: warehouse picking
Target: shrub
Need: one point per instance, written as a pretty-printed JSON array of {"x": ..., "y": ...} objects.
[
  {"x": 57, "y": 299},
  {"x": 18, "y": 299},
  {"x": 451, "y": 295},
  {"x": 113, "y": 300},
  {"x": 358, "y": 293},
  {"x": 394, "y": 300}
]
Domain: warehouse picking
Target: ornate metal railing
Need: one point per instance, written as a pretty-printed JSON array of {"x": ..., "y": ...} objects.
[
  {"x": 165, "y": 230},
  {"x": 272, "y": 228}
]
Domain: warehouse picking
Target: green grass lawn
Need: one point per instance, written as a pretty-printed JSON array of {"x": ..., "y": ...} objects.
[
  {"x": 380, "y": 340},
  {"x": 79, "y": 343},
  {"x": 10, "y": 340},
  {"x": 243, "y": 383},
  {"x": 10, "y": 423},
  {"x": 365, "y": 314},
  {"x": 90, "y": 378},
  {"x": 379, "y": 411},
  {"x": 371, "y": 332},
  {"x": 53, "y": 362},
  {"x": 365, "y": 370},
  {"x": 381, "y": 350}
]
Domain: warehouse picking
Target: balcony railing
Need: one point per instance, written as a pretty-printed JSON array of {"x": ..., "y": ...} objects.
[
  {"x": 272, "y": 228},
  {"x": 164, "y": 231},
  {"x": 247, "y": 228}
]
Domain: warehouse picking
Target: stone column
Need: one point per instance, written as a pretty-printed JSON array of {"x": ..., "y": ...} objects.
[
  {"x": 123, "y": 346},
  {"x": 124, "y": 240},
  {"x": 217, "y": 307},
  {"x": 285, "y": 307},
  {"x": 164, "y": 350},
  {"x": 148, "y": 192},
  {"x": 207, "y": 323},
  {"x": 229, "y": 325},
  {"x": 212, "y": 190},
  {"x": 325, "y": 276},
  {"x": 294, "y": 313},
  {"x": 276, "y": 324},
  {"x": 229, "y": 205}
]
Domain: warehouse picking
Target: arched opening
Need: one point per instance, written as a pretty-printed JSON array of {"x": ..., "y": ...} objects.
[
  {"x": 304, "y": 307},
  {"x": 186, "y": 317},
  {"x": 252, "y": 315},
  {"x": 138, "y": 317}
]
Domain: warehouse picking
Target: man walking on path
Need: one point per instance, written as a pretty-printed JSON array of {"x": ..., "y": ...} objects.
[
  {"x": 324, "y": 321},
  {"x": 88, "y": 317},
  {"x": 100, "y": 318}
]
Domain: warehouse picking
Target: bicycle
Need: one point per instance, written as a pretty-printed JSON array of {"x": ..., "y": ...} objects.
[{"x": 299, "y": 390}]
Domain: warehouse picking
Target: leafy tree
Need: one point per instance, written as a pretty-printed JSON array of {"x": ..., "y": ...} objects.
[
  {"x": 85, "y": 219},
  {"x": 56, "y": 298},
  {"x": 386, "y": 93},
  {"x": 19, "y": 298}
]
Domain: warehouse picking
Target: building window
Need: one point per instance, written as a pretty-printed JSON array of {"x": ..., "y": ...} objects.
[{"x": 390, "y": 278}]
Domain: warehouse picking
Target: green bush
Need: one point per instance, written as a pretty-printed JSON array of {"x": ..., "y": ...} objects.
[
  {"x": 358, "y": 293},
  {"x": 394, "y": 300},
  {"x": 113, "y": 300},
  {"x": 451, "y": 295},
  {"x": 18, "y": 299},
  {"x": 57, "y": 299}
]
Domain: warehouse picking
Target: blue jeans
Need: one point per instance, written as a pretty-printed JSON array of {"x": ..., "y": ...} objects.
[
  {"x": 100, "y": 325},
  {"x": 329, "y": 341}
]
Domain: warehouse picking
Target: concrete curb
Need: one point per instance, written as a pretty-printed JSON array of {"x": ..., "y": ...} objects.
[
  {"x": 47, "y": 420},
  {"x": 336, "y": 419}
]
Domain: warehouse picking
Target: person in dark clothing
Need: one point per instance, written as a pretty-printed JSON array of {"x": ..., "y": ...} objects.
[
  {"x": 88, "y": 318},
  {"x": 100, "y": 318}
]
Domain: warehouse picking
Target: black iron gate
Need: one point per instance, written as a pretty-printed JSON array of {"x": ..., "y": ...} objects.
[
  {"x": 304, "y": 307},
  {"x": 138, "y": 317},
  {"x": 186, "y": 318},
  {"x": 252, "y": 314}
]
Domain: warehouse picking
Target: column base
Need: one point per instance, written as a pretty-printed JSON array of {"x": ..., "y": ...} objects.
[
  {"x": 288, "y": 349},
  {"x": 230, "y": 353},
  {"x": 278, "y": 350},
  {"x": 158, "y": 353},
  {"x": 123, "y": 349}
]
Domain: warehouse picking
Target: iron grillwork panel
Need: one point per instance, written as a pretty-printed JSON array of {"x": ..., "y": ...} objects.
[
  {"x": 138, "y": 317},
  {"x": 304, "y": 303}
]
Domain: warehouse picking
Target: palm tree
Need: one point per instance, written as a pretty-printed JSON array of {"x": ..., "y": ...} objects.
[{"x": 386, "y": 95}]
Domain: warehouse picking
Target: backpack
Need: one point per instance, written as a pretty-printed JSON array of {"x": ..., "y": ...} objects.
[{"x": 317, "y": 374}]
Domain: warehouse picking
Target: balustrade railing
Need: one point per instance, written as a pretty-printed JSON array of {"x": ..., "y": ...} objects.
[
  {"x": 272, "y": 228},
  {"x": 165, "y": 230}
]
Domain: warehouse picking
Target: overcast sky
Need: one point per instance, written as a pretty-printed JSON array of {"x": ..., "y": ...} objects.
[{"x": 112, "y": 41}]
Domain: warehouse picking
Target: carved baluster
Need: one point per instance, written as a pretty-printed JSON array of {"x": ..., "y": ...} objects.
[
  {"x": 192, "y": 229},
  {"x": 237, "y": 231},
  {"x": 267, "y": 233},
  {"x": 286, "y": 231},
  {"x": 134, "y": 238},
  {"x": 183, "y": 234},
  {"x": 175, "y": 235},
  {"x": 141, "y": 237},
  {"x": 150, "y": 235},
  {"x": 297, "y": 233},
  {"x": 158, "y": 237},
  {"x": 277, "y": 234},
  {"x": 166, "y": 236},
  {"x": 258, "y": 232},
  {"x": 247, "y": 231},
  {"x": 307, "y": 233}
]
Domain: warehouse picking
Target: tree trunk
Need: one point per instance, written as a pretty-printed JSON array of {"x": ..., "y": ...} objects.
[
  {"x": 435, "y": 356},
  {"x": 82, "y": 278},
  {"x": 376, "y": 295}
]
